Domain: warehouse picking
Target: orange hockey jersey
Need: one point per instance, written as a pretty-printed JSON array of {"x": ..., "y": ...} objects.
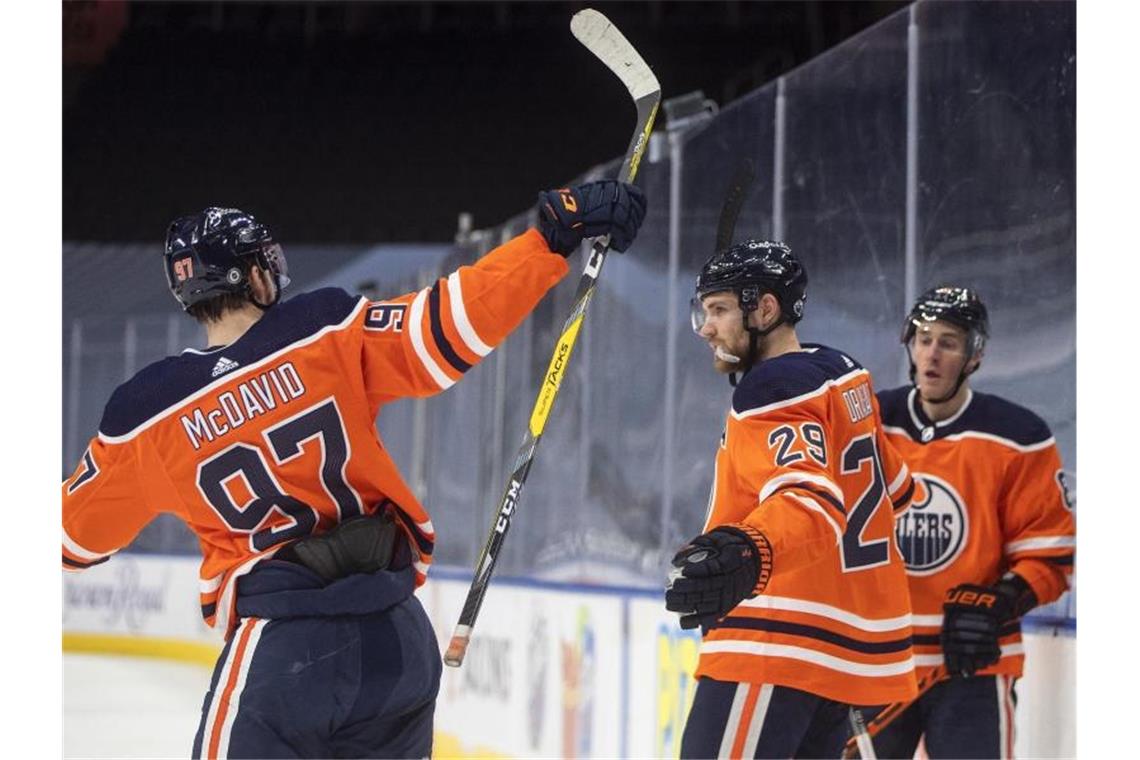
[
  {"x": 804, "y": 460},
  {"x": 990, "y": 497},
  {"x": 273, "y": 437}
]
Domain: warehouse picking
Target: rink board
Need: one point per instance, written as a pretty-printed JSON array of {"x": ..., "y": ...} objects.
[{"x": 553, "y": 669}]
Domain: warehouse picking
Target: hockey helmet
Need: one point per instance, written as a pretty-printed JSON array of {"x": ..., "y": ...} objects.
[
  {"x": 209, "y": 253},
  {"x": 750, "y": 269},
  {"x": 961, "y": 307}
]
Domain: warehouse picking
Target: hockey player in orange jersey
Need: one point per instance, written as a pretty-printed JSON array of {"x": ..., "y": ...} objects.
[
  {"x": 796, "y": 579},
  {"x": 990, "y": 534},
  {"x": 265, "y": 444}
]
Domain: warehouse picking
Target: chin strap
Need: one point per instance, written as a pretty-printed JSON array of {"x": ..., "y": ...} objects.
[
  {"x": 276, "y": 295},
  {"x": 957, "y": 386},
  {"x": 754, "y": 336}
]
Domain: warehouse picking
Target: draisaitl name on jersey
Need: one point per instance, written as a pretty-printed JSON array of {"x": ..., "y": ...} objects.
[
  {"x": 251, "y": 398},
  {"x": 858, "y": 400}
]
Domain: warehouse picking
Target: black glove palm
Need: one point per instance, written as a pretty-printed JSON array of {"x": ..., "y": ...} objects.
[
  {"x": 716, "y": 571},
  {"x": 972, "y": 621},
  {"x": 568, "y": 215}
]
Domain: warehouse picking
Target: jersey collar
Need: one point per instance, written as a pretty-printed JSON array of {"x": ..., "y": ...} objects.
[{"x": 927, "y": 429}]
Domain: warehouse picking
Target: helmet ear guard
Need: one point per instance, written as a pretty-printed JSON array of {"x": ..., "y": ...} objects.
[
  {"x": 750, "y": 269},
  {"x": 209, "y": 254}
]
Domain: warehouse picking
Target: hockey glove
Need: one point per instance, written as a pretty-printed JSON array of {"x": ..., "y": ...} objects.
[
  {"x": 972, "y": 621},
  {"x": 568, "y": 215},
  {"x": 716, "y": 571}
]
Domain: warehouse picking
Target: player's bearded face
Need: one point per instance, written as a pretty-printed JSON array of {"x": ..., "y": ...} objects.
[
  {"x": 938, "y": 351},
  {"x": 720, "y": 323}
]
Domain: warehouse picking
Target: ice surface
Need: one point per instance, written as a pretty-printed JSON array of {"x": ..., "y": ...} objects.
[{"x": 115, "y": 706}]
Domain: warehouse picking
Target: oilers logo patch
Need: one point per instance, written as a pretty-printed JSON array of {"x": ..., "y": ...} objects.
[{"x": 931, "y": 534}]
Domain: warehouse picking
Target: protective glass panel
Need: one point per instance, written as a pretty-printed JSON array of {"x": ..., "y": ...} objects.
[
  {"x": 997, "y": 179},
  {"x": 845, "y": 194}
]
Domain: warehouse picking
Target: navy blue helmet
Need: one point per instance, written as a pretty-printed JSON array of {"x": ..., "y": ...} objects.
[
  {"x": 209, "y": 253},
  {"x": 750, "y": 269}
]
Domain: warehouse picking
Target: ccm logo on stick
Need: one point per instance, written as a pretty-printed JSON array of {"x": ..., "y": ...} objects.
[{"x": 508, "y": 506}]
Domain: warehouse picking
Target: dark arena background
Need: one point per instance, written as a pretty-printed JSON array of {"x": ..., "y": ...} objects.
[
  {"x": 369, "y": 122},
  {"x": 896, "y": 146}
]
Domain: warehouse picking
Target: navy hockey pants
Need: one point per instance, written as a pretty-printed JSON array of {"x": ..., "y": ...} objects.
[
  {"x": 957, "y": 718},
  {"x": 752, "y": 720},
  {"x": 350, "y": 669}
]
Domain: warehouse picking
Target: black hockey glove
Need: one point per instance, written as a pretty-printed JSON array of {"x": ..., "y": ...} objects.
[
  {"x": 716, "y": 571},
  {"x": 972, "y": 621},
  {"x": 568, "y": 215}
]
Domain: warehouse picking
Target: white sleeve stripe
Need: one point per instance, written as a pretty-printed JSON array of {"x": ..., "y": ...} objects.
[
  {"x": 416, "y": 332},
  {"x": 791, "y": 604},
  {"x": 775, "y": 483},
  {"x": 210, "y": 585},
  {"x": 813, "y": 505},
  {"x": 459, "y": 315},
  {"x": 928, "y": 621},
  {"x": 1041, "y": 542},
  {"x": 904, "y": 473},
  {"x": 70, "y": 544}
]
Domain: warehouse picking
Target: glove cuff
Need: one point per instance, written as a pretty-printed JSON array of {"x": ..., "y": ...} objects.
[
  {"x": 1018, "y": 594},
  {"x": 763, "y": 554},
  {"x": 559, "y": 235}
]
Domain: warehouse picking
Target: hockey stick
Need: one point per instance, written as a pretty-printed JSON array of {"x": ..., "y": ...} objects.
[
  {"x": 605, "y": 41},
  {"x": 859, "y": 734},
  {"x": 733, "y": 202},
  {"x": 854, "y": 748}
]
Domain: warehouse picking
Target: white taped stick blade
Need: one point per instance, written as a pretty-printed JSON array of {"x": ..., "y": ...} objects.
[{"x": 606, "y": 41}]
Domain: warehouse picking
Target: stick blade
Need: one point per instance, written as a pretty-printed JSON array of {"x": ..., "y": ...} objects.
[
  {"x": 606, "y": 41},
  {"x": 733, "y": 202}
]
